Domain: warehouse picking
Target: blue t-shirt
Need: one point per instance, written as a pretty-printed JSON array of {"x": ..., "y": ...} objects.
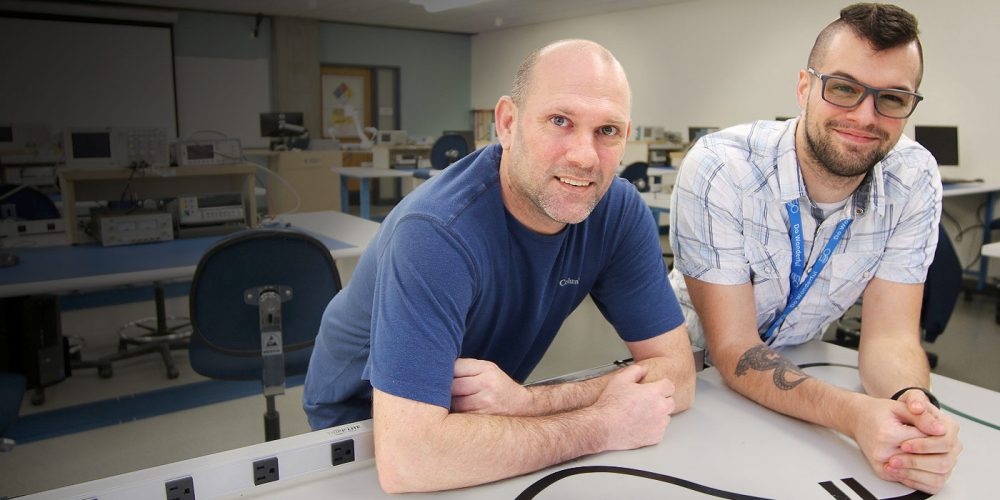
[{"x": 451, "y": 273}]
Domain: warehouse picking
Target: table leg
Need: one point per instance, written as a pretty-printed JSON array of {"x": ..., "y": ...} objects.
[
  {"x": 984, "y": 261},
  {"x": 366, "y": 199},
  {"x": 656, "y": 214},
  {"x": 345, "y": 201}
]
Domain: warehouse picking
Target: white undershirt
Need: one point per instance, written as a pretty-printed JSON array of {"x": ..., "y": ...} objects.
[{"x": 829, "y": 209}]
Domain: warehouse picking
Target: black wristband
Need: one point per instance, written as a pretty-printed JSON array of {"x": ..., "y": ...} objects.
[{"x": 930, "y": 397}]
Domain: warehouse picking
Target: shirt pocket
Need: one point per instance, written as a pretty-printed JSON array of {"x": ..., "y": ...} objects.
[
  {"x": 850, "y": 273},
  {"x": 769, "y": 271}
]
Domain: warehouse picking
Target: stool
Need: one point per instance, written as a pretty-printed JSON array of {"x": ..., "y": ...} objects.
[{"x": 160, "y": 334}]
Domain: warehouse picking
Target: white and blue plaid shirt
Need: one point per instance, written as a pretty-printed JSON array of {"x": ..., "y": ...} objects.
[{"x": 728, "y": 226}]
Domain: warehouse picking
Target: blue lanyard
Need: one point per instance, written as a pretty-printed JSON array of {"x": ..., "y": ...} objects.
[{"x": 798, "y": 286}]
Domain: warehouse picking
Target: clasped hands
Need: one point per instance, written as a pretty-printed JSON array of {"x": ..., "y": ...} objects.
[
  {"x": 634, "y": 411},
  {"x": 909, "y": 441}
]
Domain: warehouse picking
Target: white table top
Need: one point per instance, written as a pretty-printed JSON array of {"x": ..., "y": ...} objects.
[
  {"x": 991, "y": 250},
  {"x": 724, "y": 441},
  {"x": 658, "y": 171},
  {"x": 344, "y": 227},
  {"x": 354, "y": 231},
  {"x": 371, "y": 172},
  {"x": 966, "y": 188}
]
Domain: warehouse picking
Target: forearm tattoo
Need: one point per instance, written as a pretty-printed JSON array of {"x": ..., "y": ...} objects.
[{"x": 762, "y": 358}]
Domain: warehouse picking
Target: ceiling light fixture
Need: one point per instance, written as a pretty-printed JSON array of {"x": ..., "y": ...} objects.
[{"x": 433, "y": 6}]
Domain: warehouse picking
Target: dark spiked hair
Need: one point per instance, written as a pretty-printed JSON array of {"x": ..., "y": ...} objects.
[{"x": 883, "y": 26}]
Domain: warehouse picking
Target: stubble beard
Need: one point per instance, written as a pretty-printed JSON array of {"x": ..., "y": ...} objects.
[
  {"x": 535, "y": 193},
  {"x": 837, "y": 162}
]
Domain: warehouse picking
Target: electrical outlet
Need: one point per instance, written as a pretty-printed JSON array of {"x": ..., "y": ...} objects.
[
  {"x": 180, "y": 489},
  {"x": 342, "y": 452},
  {"x": 265, "y": 470}
]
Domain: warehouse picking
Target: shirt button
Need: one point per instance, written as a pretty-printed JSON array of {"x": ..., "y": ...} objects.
[
  {"x": 859, "y": 211},
  {"x": 867, "y": 274}
]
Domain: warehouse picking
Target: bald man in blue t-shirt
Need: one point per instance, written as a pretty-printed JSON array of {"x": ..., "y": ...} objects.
[{"x": 470, "y": 277}]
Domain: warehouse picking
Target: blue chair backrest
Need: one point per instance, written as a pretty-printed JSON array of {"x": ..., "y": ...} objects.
[
  {"x": 448, "y": 149},
  {"x": 942, "y": 288},
  {"x": 28, "y": 203},
  {"x": 637, "y": 174},
  {"x": 249, "y": 259}
]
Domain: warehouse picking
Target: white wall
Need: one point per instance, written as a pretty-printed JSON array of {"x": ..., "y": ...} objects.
[
  {"x": 723, "y": 62},
  {"x": 209, "y": 104}
]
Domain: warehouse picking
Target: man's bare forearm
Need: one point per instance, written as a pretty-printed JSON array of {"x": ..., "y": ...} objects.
[
  {"x": 569, "y": 396},
  {"x": 468, "y": 449},
  {"x": 889, "y": 365},
  {"x": 680, "y": 371},
  {"x": 556, "y": 398},
  {"x": 763, "y": 375},
  {"x": 422, "y": 447},
  {"x": 890, "y": 354}
]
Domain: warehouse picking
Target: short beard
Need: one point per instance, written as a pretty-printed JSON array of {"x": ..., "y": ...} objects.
[
  {"x": 550, "y": 210},
  {"x": 535, "y": 193},
  {"x": 537, "y": 196},
  {"x": 841, "y": 164}
]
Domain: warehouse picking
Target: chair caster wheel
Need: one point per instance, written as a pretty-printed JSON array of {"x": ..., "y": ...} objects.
[
  {"x": 105, "y": 371},
  {"x": 173, "y": 373}
]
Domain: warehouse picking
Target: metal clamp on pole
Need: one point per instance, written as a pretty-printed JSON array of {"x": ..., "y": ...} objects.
[{"x": 268, "y": 299}]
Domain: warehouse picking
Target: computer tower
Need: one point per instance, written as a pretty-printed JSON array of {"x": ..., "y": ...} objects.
[{"x": 31, "y": 341}]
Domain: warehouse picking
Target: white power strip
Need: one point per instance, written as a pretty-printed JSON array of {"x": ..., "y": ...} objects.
[{"x": 231, "y": 472}]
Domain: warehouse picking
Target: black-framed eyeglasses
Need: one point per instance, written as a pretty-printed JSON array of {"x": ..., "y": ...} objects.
[{"x": 846, "y": 93}]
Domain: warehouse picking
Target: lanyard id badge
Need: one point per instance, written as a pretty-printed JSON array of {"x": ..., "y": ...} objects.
[{"x": 798, "y": 286}]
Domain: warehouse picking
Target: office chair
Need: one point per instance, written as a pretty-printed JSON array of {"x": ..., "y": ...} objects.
[
  {"x": 12, "y": 386},
  {"x": 153, "y": 334},
  {"x": 636, "y": 173},
  {"x": 256, "y": 301},
  {"x": 23, "y": 202},
  {"x": 993, "y": 226},
  {"x": 941, "y": 291},
  {"x": 448, "y": 149}
]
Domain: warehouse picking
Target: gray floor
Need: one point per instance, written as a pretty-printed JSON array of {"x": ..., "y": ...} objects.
[{"x": 968, "y": 351}]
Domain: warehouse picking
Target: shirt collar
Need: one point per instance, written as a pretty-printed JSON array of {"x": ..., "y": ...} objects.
[{"x": 869, "y": 196}]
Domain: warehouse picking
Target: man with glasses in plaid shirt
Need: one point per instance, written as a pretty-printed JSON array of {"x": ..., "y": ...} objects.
[{"x": 778, "y": 227}]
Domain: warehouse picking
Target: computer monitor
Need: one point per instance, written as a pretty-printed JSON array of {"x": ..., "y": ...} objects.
[
  {"x": 90, "y": 144},
  {"x": 111, "y": 147},
  {"x": 695, "y": 133},
  {"x": 391, "y": 137},
  {"x": 277, "y": 124},
  {"x": 942, "y": 142}
]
